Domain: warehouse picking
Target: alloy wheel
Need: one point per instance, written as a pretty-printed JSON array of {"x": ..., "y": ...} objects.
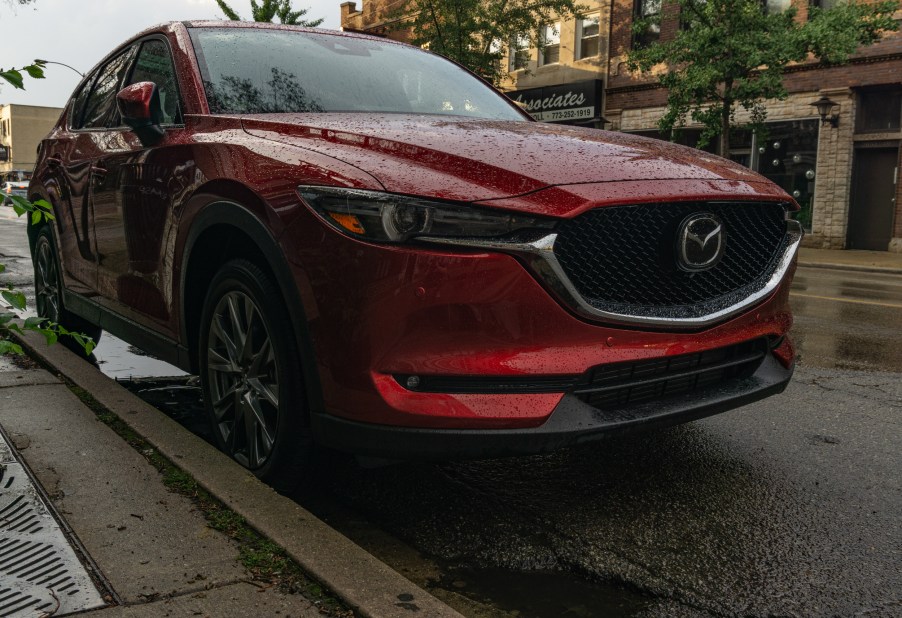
[
  {"x": 47, "y": 292},
  {"x": 243, "y": 377}
]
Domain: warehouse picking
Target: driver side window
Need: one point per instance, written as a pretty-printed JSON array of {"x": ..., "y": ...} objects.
[
  {"x": 99, "y": 108},
  {"x": 154, "y": 64}
]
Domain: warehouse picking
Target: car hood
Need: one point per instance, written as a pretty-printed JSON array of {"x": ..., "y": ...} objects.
[{"x": 478, "y": 160}]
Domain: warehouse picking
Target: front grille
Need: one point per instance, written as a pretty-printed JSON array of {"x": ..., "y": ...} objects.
[
  {"x": 620, "y": 384},
  {"x": 622, "y": 259}
]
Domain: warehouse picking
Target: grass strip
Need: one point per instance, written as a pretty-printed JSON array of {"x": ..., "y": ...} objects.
[{"x": 269, "y": 564}]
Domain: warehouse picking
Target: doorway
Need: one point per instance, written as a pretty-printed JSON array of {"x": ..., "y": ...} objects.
[{"x": 872, "y": 206}]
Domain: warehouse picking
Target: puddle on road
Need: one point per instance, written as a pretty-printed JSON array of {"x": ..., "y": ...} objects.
[
  {"x": 179, "y": 398},
  {"x": 121, "y": 361}
]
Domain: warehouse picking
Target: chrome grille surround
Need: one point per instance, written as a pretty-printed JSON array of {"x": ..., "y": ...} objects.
[{"x": 538, "y": 252}]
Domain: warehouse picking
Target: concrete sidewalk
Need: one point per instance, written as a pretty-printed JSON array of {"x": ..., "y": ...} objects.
[
  {"x": 156, "y": 551},
  {"x": 862, "y": 261}
]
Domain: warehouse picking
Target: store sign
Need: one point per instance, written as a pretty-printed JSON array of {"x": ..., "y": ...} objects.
[{"x": 575, "y": 102}]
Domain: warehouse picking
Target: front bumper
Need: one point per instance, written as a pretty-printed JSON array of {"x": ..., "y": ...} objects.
[{"x": 571, "y": 422}]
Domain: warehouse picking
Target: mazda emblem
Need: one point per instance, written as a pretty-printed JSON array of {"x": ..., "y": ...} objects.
[{"x": 700, "y": 242}]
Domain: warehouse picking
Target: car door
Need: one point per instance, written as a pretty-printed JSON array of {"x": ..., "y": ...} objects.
[
  {"x": 132, "y": 202},
  {"x": 72, "y": 170}
]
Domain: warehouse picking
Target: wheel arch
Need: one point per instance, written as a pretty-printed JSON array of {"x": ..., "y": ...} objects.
[{"x": 223, "y": 230}]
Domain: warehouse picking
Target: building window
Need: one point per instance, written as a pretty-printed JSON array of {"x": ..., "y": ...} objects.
[
  {"x": 879, "y": 111},
  {"x": 519, "y": 52},
  {"x": 774, "y": 7},
  {"x": 826, "y": 4},
  {"x": 551, "y": 44},
  {"x": 587, "y": 35},
  {"x": 646, "y": 22}
]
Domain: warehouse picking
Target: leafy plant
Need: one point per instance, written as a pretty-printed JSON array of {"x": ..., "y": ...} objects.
[
  {"x": 731, "y": 54},
  {"x": 268, "y": 10}
]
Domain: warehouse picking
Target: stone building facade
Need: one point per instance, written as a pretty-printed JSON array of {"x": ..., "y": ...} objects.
[{"x": 845, "y": 177}]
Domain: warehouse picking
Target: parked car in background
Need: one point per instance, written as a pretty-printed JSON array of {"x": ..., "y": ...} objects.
[
  {"x": 14, "y": 182},
  {"x": 359, "y": 244}
]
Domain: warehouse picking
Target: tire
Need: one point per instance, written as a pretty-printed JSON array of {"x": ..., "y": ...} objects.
[
  {"x": 251, "y": 373},
  {"x": 48, "y": 289}
]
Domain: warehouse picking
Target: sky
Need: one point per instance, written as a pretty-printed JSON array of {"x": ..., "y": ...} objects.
[{"x": 81, "y": 32}]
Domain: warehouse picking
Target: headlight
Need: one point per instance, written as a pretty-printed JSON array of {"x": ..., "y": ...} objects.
[{"x": 384, "y": 217}]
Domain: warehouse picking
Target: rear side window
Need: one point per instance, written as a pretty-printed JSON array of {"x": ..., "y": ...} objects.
[
  {"x": 154, "y": 64},
  {"x": 100, "y": 107},
  {"x": 78, "y": 107}
]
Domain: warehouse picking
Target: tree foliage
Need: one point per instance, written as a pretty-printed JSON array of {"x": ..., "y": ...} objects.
[
  {"x": 268, "y": 10},
  {"x": 476, "y": 33},
  {"x": 732, "y": 54}
]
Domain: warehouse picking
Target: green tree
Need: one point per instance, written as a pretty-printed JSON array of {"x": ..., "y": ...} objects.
[
  {"x": 475, "y": 33},
  {"x": 731, "y": 54},
  {"x": 268, "y": 10},
  {"x": 39, "y": 210}
]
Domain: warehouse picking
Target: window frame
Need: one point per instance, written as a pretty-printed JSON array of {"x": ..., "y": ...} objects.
[
  {"x": 554, "y": 26},
  {"x": 518, "y": 48},
  {"x": 178, "y": 87},
  {"x": 131, "y": 48},
  {"x": 580, "y": 37},
  {"x": 651, "y": 35}
]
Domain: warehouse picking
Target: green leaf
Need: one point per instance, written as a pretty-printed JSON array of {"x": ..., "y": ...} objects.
[
  {"x": 16, "y": 299},
  {"x": 34, "y": 322},
  {"x": 49, "y": 334},
  {"x": 2, "y": 267},
  {"x": 21, "y": 205},
  {"x": 35, "y": 71},
  {"x": 8, "y": 347},
  {"x": 14, "y": 78}
]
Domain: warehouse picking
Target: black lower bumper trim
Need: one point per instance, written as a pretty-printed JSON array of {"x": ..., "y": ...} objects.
[{"x": 572, "y": 422}]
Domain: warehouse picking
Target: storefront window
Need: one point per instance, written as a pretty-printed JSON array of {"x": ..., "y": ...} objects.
[{"x": 787, "y": 155}]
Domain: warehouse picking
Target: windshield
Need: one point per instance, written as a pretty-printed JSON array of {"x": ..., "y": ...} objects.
[{"x": 258, "y": 71}]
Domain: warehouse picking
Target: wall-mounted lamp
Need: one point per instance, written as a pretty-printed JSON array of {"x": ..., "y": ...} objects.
[{"x": 824, "y": 106}]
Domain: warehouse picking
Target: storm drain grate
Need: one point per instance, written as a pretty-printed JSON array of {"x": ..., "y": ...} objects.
[{"x": 40, "y": 573}]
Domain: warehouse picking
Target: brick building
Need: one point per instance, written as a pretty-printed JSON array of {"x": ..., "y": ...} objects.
[{"x": 844, "y": 176}]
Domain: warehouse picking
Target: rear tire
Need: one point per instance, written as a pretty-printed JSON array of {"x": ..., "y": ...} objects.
[
  {"x": 48, "y": 289},
  {"x": 251, "y": 372}
]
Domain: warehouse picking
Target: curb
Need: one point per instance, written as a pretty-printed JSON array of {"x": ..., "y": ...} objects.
[
  {"x": 886, "y": 270},
  {"x": 364, "y": 583}
]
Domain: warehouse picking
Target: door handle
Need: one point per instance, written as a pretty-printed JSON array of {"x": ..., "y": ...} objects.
[{"x": 98, "y": 174}]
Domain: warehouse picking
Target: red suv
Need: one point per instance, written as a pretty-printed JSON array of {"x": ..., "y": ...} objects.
[{"x": 359, "y": 244}]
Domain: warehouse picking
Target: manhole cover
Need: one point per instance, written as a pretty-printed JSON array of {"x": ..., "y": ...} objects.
[{"x": 40, "y": 573}]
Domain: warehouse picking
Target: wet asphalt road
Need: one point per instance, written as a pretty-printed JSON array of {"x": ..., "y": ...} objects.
[{"x": 791, "y": 506}]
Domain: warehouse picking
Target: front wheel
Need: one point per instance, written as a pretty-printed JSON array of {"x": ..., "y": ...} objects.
[{"x": 252, "y": 380}]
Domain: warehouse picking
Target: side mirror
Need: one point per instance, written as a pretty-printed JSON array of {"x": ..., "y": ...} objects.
[{"x": 139, "y": 106}]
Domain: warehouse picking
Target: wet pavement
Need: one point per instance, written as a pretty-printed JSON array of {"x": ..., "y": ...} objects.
[{"x": 791, "y": 506}]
